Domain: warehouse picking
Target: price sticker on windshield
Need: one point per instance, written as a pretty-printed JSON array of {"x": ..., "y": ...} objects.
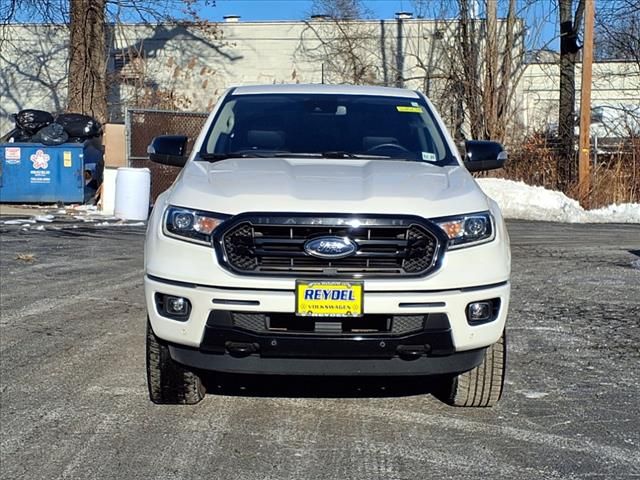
[{"x": 408, "y": 109}]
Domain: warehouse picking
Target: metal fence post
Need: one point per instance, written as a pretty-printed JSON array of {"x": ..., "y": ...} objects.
[{"x": 127, "y": 136}]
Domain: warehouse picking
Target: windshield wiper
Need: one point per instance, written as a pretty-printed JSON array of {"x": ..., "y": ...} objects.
[
  {"x": 328, "y": 154},
  {"x": 345, "y": 154},
  {"x": 214, "y": 157}
]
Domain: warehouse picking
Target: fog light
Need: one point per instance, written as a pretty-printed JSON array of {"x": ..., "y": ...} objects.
[
  {"x": 170, "y": 306},
  {"x": 176, "y": 305},
  {"x": 479, "y": 311}
]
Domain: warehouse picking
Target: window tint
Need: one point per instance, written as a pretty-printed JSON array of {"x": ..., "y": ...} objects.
[{"x": 299, "y": 123}]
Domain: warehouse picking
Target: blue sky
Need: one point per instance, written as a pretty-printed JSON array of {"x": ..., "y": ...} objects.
[
  {"x": 262, "y": 10},
  {"x": 292, "y": 9}
]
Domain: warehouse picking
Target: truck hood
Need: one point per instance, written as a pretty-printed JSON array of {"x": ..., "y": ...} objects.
[{"x": 326, "y": 186}]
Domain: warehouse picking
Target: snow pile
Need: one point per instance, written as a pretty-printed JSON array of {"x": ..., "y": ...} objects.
[
  {"x": 19, "y": 221},
  {"x": 120, "y": 223},
  {"x": 525, "y": 202},
  {"x": 61, "y": 218},
  {"x": 85, "y": 208}
]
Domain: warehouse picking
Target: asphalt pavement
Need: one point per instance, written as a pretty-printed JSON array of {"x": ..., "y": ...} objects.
[{"x": 74, "y": 404}]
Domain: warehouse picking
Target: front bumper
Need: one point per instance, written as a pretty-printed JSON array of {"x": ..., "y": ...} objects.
[
  {"x": 255, "y": 364},
  {"x": 225, "y": 347},
  {"x": 209, "y": 342}
]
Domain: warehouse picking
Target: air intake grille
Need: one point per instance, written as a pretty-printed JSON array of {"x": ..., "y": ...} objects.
[
  {"x": 256, "y": 322},
  {"x": 407, "y": 323},
  {"x": 288, "y": 322},
  {"x": 386, "y": 247}
]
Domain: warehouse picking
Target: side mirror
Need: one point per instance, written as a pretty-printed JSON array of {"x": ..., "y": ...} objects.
[
  {"x": 168, "y": 150},
  {"x": 484, "y": 155}
]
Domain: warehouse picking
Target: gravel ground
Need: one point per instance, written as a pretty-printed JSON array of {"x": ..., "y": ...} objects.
[{"x": 74, "y": 403}]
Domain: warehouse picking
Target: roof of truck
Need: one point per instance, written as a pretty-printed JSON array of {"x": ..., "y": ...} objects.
[{"x": 328, "y": 89}]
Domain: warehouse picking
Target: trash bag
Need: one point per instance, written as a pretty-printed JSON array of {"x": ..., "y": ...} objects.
[
  {"x": 53, "y": 134},
  {"x": 80, "y": 126},
  {"x": 32, "y": 120},
  {"x": 16, "y": 135},
  {"x": 77, "y": 139}
]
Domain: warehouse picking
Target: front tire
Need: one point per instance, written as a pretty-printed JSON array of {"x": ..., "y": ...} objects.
[
  {"x": 168, "y": 381},
  {"x": 481, "y": 386}
]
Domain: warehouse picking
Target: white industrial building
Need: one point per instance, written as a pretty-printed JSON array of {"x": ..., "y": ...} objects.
[
  {"x": 615, "y": 96},
  {"x": 187, "y": 68}
]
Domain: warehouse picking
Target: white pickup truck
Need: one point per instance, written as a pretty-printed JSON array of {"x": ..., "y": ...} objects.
[{"x": 326, "y": 230}]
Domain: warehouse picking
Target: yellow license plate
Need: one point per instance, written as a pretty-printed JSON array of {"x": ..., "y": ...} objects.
[{"x": 329, "y": 299}]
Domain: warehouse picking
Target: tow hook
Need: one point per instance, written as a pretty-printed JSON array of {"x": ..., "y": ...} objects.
[
  {"x": 412, "y": 352},
  {"x": 237, "y": 349}
]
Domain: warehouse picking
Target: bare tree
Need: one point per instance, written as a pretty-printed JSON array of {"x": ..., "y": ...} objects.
[
  {"x": 618, "y": 31},
  {"x": 473, "y": 61},
  {"x": 87, "y": 87},
  {"x": 618, "y": 39},
  {"x": 488, "y": 63},
  {"x": 468, "y": 64},
  {"x": 341, "y": 42},
  {"x": 341, "y": 9},
  {"x": 570, "y": 22}
]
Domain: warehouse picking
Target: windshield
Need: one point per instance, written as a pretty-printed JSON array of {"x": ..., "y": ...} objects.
[{"x": 329, "y": 125}]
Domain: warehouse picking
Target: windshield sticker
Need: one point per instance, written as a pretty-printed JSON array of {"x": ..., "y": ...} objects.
[
  {"x": 408, "y": 109},
  {"x": 415, "y": 104},
  {"x": 429, "y": 157}
]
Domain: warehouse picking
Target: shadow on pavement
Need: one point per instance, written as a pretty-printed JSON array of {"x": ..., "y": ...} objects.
[{"x": 319, "y": 387}]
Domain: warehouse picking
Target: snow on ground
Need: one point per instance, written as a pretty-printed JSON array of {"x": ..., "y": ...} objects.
[
  {"x": 525, "y": 202},
  {"x": 67, "y": 215}
]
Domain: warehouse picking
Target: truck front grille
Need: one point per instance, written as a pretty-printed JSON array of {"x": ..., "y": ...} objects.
[{"x": 261, "y": 244}]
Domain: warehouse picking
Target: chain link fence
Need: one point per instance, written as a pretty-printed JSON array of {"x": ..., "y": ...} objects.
[{"x": 141, "y": 128}]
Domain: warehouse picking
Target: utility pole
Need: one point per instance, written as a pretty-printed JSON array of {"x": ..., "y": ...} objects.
[{"x": 584, "y": 180}]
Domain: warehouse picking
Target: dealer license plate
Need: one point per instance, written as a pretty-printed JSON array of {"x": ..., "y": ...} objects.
[{"x": 329, "y": 299}]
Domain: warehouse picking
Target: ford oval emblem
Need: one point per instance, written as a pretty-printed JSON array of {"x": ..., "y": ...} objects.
[{"x": 330, "y": 247}]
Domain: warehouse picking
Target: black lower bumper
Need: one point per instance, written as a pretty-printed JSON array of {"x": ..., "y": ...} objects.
[
  {"x": 255, "y": 364},
  {"x": 428, "y": 350}
]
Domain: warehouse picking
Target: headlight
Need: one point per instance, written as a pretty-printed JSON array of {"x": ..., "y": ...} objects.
[
  {"x": 191, "y": 225},
  {"x": 467, "y": 230}
]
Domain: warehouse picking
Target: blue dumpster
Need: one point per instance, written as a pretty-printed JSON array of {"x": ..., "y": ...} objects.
[{"x": 36, "y": 173}]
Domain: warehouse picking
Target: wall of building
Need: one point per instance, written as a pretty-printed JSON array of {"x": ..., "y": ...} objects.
[
  {"x": 615, "y": 84},
  {"x": 33, "y": 70},
  {"x": 174, "y": 67}
]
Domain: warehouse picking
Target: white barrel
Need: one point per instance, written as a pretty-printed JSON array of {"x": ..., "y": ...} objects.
[
  {"x": 133, "y": 188},
  {"x": 108, "y": 196}
]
